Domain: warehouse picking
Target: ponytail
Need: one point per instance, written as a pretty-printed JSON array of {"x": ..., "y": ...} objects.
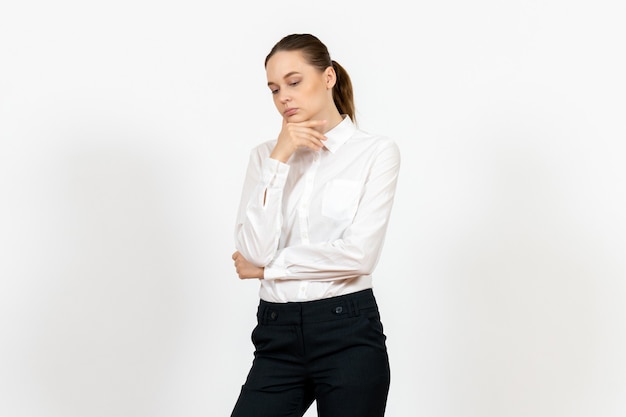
[{"x": 343, "y": 95}]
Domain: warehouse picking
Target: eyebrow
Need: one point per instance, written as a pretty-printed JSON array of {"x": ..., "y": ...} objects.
[{"x": 286, "y": 76}]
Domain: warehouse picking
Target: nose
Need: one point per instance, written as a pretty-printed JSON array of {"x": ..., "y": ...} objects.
[{"x": 283, "y": 98}]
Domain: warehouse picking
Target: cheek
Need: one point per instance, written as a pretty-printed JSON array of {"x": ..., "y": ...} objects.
[{"x": 319, "y": 99}]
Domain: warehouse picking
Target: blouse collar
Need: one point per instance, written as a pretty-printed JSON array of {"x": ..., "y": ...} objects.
[{"x": 339, "y": 134}]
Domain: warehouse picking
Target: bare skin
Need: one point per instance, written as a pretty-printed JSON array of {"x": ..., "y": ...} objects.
[
  {"x": 298, "y": 135},
  {"x": 246, "y": 269},
  {"x": 303, "y": 95}
]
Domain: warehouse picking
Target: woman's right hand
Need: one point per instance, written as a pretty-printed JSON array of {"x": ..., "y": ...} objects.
[{"x": 307, "y": 134}]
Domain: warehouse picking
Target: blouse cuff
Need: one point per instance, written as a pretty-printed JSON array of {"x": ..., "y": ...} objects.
[
  {"x": 275, "y": 269},
  {"x": 275, "y": 173}
]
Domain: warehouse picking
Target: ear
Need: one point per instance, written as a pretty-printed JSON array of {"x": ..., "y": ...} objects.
[{"x": 330, "y": 76}]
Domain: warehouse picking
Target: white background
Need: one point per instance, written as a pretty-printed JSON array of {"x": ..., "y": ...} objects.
[{"x": 125, "y": 128}]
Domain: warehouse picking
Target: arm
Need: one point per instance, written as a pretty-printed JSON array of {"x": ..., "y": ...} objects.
[
  {"x": 358, "y": 251},
  {"x": 259, "y": 220}
]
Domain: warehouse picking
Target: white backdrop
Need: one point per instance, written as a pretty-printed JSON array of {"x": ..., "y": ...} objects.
[{"x": 125, "y": 128}]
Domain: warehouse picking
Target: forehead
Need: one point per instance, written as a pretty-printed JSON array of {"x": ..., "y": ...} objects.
[{"x": 286, "y": 62}]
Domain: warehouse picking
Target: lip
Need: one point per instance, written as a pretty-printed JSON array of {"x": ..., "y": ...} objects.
[{"x": 290, "y": 111}]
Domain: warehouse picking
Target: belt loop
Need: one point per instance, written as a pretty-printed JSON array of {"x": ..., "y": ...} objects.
[
  {"x": 353, "y": 306},
  {"x": 264, "y": 315}
]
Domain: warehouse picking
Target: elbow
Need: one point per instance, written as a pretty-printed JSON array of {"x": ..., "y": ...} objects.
[{"x": 367, "y": 265}]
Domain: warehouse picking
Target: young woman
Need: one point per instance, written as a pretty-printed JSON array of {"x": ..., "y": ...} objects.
[{"x": 312, "y": 220}]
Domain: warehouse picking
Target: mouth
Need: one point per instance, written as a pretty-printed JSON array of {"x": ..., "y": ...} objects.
[{"x": 290, "y": 112}]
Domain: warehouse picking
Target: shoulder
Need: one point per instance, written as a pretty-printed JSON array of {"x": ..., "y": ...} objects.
[
  {"x": 262, "y": 150},
  {"x": 376, "y": 142},
  {"x": 264, "y": 147}
]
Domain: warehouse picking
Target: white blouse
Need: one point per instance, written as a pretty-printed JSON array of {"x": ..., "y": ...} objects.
[{"x": 317, "y": 223}]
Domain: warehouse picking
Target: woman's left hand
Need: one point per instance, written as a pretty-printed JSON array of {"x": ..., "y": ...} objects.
[{"x": 245, "y": 269}]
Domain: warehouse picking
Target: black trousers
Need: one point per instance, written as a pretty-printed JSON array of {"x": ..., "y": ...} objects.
[{"x": 332, "y": 351}]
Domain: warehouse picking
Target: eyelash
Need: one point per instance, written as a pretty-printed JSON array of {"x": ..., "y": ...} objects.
[{"x": 290, "y": 84}]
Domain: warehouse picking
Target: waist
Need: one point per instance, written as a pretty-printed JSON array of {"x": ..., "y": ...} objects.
[
  {"x": 283, "y": 291},
  {"x": 333, "y": 308}
]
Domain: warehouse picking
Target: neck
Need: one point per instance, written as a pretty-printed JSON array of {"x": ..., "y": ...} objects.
[{"x": 333, "y": 118}]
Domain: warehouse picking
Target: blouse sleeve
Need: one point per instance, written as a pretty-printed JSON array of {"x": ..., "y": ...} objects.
[
  {"x": 357, "y": 252},
  {"x": 259, "y": 219}
]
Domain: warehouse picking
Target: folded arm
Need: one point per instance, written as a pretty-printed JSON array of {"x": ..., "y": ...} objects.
[{"x": 357, "y": 252}]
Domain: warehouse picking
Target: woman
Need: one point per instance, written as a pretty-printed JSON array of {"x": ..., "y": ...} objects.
[{"x": 314, "y": 210}]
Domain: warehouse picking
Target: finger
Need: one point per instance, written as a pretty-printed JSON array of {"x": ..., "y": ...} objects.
[
  {"x": 307, "y": 132},
  {"x": 313, "y": 123},
  {"x": 314, "y": 144},
  {"x": 315, "y": 126},
  {"x": 235, "y": 255},
  {"x": 316, "y": 141},
  {"x": 317, "y": 135}
]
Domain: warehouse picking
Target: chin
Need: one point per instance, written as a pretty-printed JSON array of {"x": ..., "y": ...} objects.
[{"x": 296, "y": 118}]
